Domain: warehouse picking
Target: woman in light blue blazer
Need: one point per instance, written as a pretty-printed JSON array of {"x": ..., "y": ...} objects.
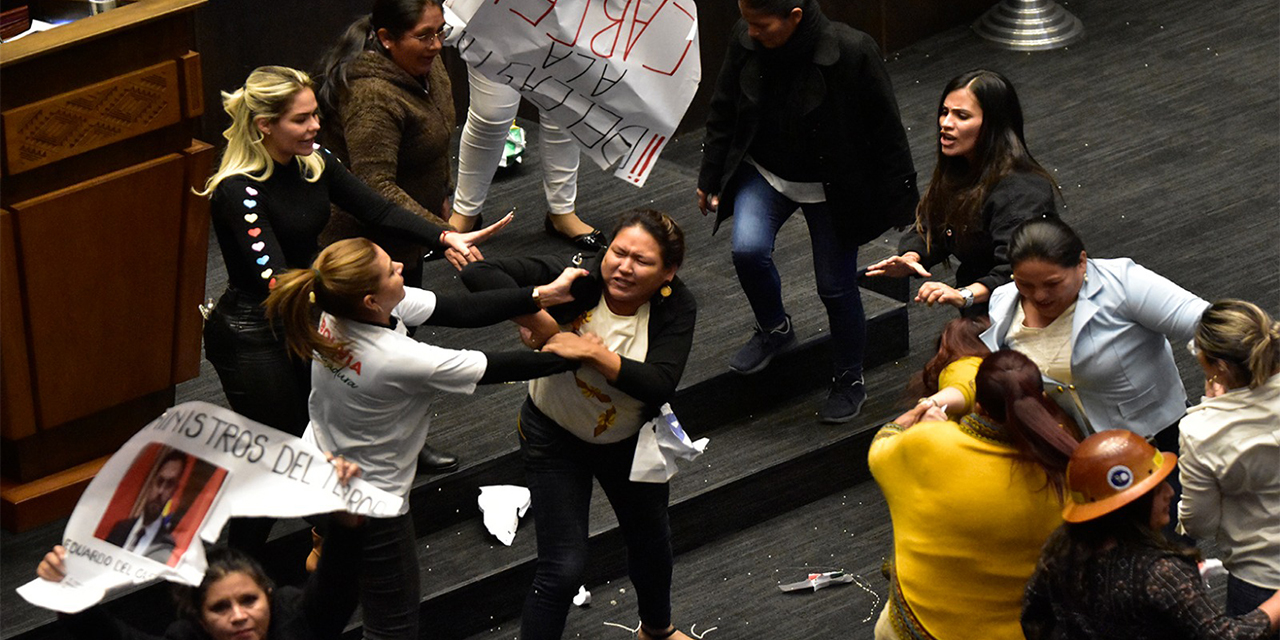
[{"x": 1097, "y": 329}]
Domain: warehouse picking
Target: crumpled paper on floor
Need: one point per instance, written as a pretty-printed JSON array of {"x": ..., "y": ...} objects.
[{"x": 503, "y": 506}]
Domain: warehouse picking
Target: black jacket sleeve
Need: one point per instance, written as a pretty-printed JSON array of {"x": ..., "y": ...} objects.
[
  {"x": 512, "y": 366},
  {"x": 367, "y": 205},
  {"x": 482, "y": 308},
  {"x": 894, "y": 170},
  {"x": 913, "y": 240},
  {"x": 1017, "y": 198},
  {"x": 654, "y": 381},
  {"x": 509, "y": 273},
  {"x": 722, "y": 116}
]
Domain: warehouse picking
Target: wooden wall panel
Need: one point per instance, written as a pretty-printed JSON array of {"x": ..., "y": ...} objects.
[
  {"x": 192, "y": 263},
  {"x": 17, "y": 413},
  {"x": 95, "y": 116},
  {"x": 192, "y": 89},
  {"x": 100, "y": 261}
]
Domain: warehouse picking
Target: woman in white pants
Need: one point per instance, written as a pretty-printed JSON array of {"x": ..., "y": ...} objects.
[{"x": 493, "y": 109}]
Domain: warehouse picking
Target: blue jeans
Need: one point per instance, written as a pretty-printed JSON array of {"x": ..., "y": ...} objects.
[
  {"x": 558, "y": 468},
  {"x": 1243, "y": 597},
  {"x": 759, "y": 212}
]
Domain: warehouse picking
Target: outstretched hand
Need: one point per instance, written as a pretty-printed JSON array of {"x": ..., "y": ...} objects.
[
  {"x": 901, "y": 266},
  {"x": 932, "y": 293},
  {"x": 52, "y": 567},
  {"x": 460, "y": 247}
]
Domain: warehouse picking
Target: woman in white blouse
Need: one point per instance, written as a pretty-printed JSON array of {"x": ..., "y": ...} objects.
[{"x": 1230, "y": 464}]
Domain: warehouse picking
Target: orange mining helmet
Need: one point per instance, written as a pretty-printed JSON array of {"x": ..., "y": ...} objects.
[{"x": 1111, "y": 469}]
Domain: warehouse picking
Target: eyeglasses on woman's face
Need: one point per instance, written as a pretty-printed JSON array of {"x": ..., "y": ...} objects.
[{"x": 440, "y": 34}]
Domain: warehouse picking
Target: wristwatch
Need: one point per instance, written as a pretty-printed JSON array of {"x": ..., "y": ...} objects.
[
  {"x": 967, "y": 296},
  {"x": 537, "y": 298}
]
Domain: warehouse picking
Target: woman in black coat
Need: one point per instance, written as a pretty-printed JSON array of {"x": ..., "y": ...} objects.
[
  {"x": 804, "y": 117},
  {"x": 985, "y": 183}
]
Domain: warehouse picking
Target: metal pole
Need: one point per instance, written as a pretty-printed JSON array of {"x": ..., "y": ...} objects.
[{"x": 1029, "y": 25}]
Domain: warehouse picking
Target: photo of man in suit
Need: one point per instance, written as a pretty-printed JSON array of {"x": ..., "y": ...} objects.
[{"x": 150, "y": 534}]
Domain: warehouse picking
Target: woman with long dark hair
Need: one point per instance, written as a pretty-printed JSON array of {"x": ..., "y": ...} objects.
[
  {"x": 1230, "y": 465},
  {"x": 1109, "y": 573},
  {"x": 985, "y": 183},
  {"x": 971, "y": 501}
]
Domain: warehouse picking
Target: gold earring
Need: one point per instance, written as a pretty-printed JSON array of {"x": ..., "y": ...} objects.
[{"x": 665, "y": 291}]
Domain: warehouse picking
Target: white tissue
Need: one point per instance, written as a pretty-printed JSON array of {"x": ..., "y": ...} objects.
[
  {"x": 503, "y": 505},
  {"x": 583, "y": 598}
]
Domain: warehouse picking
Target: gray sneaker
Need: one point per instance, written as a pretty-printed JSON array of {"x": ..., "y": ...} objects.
[{"x": 762, "y": 347}]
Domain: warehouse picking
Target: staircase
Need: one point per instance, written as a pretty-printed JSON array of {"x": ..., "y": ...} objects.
[{"x": 768, "y": 455}]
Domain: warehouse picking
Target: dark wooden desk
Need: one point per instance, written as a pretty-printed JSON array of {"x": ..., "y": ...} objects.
[{"x": 102, "y": 243}]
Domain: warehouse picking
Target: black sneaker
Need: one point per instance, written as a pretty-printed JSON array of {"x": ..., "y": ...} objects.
[
  {"x": 762, "y": 347},
  {"x": 844, "y": 400}
]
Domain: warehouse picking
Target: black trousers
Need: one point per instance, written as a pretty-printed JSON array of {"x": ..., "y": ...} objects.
[
  {"x": 559, "y": 468},
  {"x": 262, "y": 382}
]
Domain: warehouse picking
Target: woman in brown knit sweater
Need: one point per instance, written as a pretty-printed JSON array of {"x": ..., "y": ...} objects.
[{"x": 390, "y": 110}]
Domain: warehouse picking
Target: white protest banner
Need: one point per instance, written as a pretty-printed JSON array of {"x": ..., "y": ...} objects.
[
  {"x": 181, "y": 477},
  {"x": 616, "y": 74}
]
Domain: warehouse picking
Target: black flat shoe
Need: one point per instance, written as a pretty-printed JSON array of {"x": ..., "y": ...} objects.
[
  {"x": 593, "y": 240},
  {"x": 434, "y": 461}
]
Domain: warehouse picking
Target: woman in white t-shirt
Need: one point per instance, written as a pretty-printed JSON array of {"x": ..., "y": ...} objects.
[
  {"x": 372, "y": 387},
  {"x": 631, "y": 325}
]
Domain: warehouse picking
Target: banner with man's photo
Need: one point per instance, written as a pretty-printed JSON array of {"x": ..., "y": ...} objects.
[
  {"x": 177, "y": 482},
  {"x": 618, "y": 75}
]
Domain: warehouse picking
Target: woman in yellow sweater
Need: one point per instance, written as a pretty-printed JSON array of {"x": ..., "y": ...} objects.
[{"x": 972, "y": 502}]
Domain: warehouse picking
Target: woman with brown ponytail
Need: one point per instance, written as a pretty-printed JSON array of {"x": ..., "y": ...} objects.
[
  {"x": 972, "y": 501},
  {"x": 373, "y": 387},
  {"x": 1230, "y": 464}
]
